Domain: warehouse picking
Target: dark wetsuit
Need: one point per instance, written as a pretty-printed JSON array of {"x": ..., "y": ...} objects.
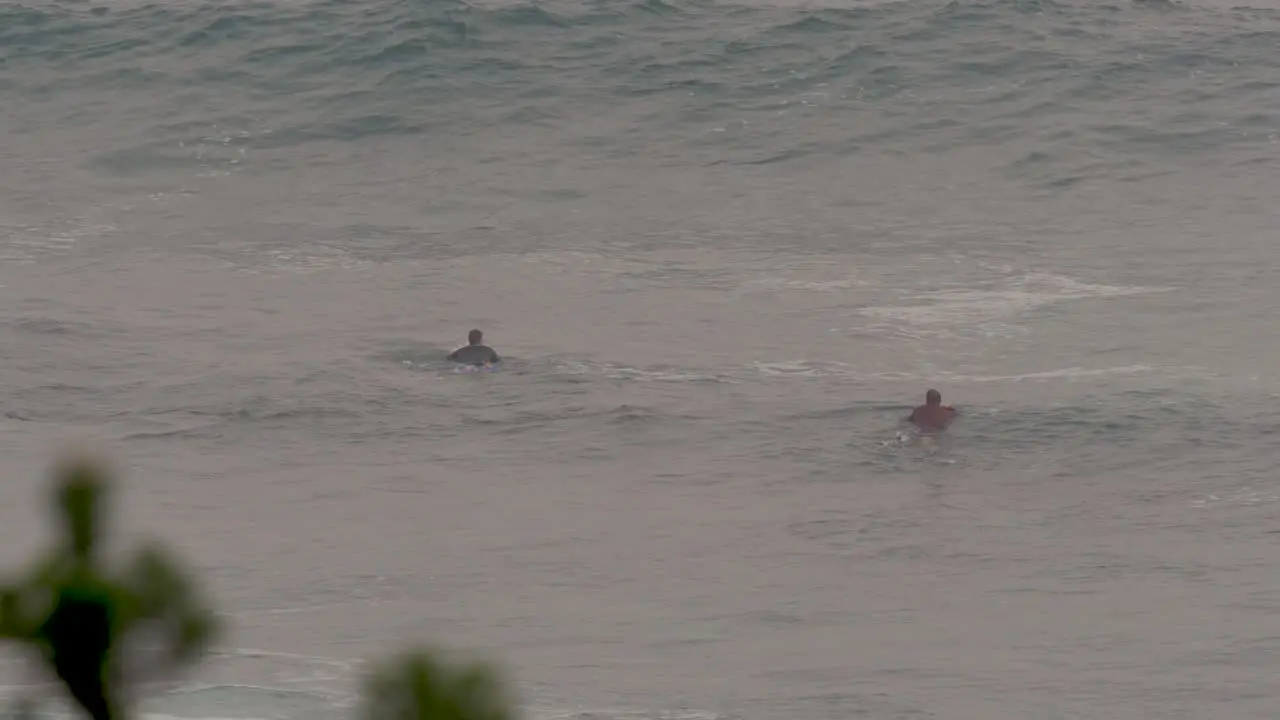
[{"x": 475, "y": 355}]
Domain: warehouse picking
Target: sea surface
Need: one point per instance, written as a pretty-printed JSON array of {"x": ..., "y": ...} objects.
[{"x": 724, "y": 248}]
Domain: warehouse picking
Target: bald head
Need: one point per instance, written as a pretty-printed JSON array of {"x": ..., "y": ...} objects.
[
  {"x": 933, "y": 397},
  {"x": 474, "y": 337}
]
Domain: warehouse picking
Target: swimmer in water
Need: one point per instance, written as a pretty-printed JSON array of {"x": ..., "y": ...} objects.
[
  {"x": 475, "y": 353},
  {"x": 932, "y": 415}
]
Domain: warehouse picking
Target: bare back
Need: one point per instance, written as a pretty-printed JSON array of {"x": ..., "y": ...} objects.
[{"x": 932, "y": 417}]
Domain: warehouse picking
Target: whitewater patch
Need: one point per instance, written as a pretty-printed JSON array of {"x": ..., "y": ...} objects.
[
  {"x": 805, "y": 285},
  {"x": 30, "y": 243},
  {"x": 993, "y": 312},
  {"x": 1067, "y": 373},
  {"x": 796, "y": 369},
  {"x": 1240, "y": 496},
  {"x": 847, "y": 371},
  {"x": 623, "y": 372}
]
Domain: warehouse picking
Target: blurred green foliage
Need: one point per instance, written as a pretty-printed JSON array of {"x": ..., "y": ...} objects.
[
  {"x": 419, "y": 686},
  {"x": 79, "y": 613}
]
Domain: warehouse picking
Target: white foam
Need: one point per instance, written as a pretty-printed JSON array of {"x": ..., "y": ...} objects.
[
  {"x": 288, "y": 610},
  {"x": 622, "y": 372},
  {"x": 258, "y": 653},
  {"x": 790, "y": 368},
  {"x": 802, "y": 369},
  {"x": 807, "y": 285},
  {"x": 1068, "y": 373},
  {"x": 548, "y": 713},
  {"x": 163, "y": 716},
  {"x": 1241, "y": 496},
  {"x": 29, "y": 243},
  {"x": 989, "y": 311}
]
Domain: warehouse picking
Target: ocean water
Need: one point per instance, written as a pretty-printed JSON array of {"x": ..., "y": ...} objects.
[{"x": 725, "y": 246}]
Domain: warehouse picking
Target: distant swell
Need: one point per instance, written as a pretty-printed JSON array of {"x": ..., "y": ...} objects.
[{"x": 331, "y": 72}]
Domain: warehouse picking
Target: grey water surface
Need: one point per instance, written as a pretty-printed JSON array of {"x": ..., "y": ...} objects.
[{"x": 724, "y": 248}]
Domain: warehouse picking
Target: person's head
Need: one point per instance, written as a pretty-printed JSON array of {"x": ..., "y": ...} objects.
[
  {"x": 933, "y": 397},
  {"x": 474, "y": 337}
]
